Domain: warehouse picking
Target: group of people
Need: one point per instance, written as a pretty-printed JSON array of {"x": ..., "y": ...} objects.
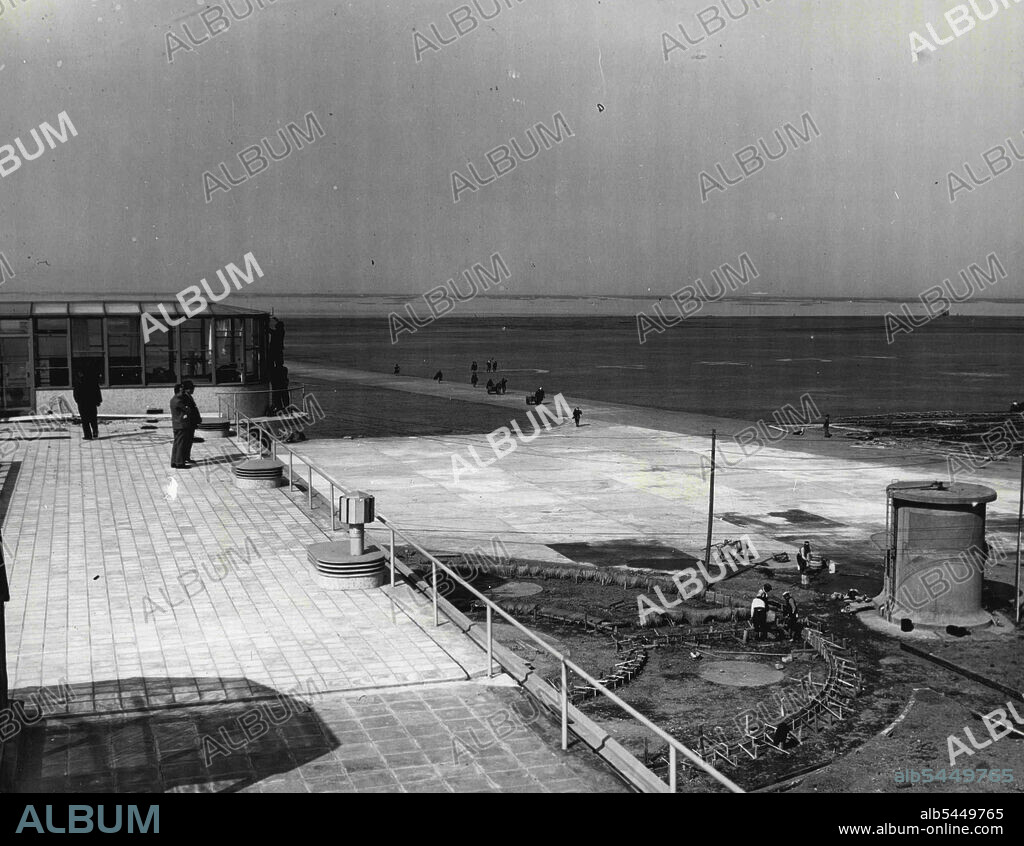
[
  {"x": 790, "y": 617},
  {"x": 498, "y": 387},
  {"x": 185, "y": 418},
  {"x": 492, "y": 367}
]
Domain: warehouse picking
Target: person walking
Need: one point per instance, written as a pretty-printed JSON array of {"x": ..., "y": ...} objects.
[
  {"x": 439, "y": 376},
  {"x": 824, "y": 426},
  {"x": 576, "y": 415},
  {"x": 88, "y": 398},
  {"x": 474, "y": 379},
  {"x": 473, "y": 367}
]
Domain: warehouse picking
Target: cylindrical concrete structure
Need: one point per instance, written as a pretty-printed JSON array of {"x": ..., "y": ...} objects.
[{"x": 936, "y": 554}]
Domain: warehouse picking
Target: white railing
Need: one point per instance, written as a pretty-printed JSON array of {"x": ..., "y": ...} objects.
[{"x": 566, "y": 665}]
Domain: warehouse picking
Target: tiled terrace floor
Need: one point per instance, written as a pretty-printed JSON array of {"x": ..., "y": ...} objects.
[{"x": 139, "y": 587}]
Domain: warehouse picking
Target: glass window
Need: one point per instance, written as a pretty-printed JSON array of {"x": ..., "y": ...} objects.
[
  {"x": 229, "y": 349},
  {"x": 52, "y": 369},
  {"x": 161, "y": 358},
  {"x": 14, "y": 374},
  {"x": 87, "y": 347},
  {"x": 196, "y": 348},
  {"x": 255, "y": 338},
  {"x": 125, "y": 350}
]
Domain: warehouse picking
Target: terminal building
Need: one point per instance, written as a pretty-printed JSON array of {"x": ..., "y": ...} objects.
[{"x": 45, "y": 345}]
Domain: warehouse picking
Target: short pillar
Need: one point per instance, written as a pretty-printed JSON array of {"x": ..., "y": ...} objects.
[{"x": 350, "y": 566}]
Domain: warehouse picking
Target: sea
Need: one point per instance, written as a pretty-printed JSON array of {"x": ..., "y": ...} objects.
[{"x": 731, "y": 367}]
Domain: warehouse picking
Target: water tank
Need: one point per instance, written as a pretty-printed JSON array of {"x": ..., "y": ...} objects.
[{"x": 934, "y": 568}]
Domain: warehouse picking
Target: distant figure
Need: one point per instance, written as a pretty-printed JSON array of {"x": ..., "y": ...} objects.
[
  {"x": 473, "y": 367},
  {"x": 439, "y": 376},
  {"x": 474, "y": 379},
  {"x": 494, "y": 365},
  {"x": 396, "y": 369},
  {"x": 88, "y": 398},
  {"x": 503, "y": 385},
  {"x": 824, "y": 426},
  {"x": 275, "y": 349},
  {"x": 576, "y": 415},
  {"x": 539, "y": 396},
  {"x": 490, "y": 387},
  {"x": 488, "y": 365}
]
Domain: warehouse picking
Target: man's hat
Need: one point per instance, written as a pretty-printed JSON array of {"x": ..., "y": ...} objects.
[
  {"x": 767, "y": 586},
  {"x": 785, "y": 593}
]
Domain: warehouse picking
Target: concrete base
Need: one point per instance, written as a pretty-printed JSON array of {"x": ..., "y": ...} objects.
[
  {"x": 259, "y": 473},
  {"x": 214, "y": 427},
  {"x": 253, "y": 484},
  {"x": 338, "y": 569},
  {"x": 927, "y": 618}
]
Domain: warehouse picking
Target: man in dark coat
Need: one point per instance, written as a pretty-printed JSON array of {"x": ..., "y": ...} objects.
[
  {"x": 275, "y": 349},
  {"x": 89, "y": 398},
  {"x": 194, "y": 418},
  {"x": 179, "y": 423}
]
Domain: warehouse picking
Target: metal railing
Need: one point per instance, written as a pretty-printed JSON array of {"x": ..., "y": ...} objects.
[
  {"x": 566, "y": 665},
  {"x": 222, "y": 395}
]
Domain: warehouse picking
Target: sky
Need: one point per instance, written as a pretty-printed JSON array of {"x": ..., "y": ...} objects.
[{"x": 860, "y": 211}]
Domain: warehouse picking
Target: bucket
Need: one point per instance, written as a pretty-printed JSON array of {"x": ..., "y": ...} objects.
[{"x": 832, "y": 567}]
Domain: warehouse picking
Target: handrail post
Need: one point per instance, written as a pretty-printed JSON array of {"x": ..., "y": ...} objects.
[
  {"x": 392, "y": 556},
  {"x": 433, "y": 570},
  {"x": 309, "y": 488},
  {"x": 672, "y": 768},
  {"x": 490, "y": 646},
  {"x": 565, "y": 707},
  {"x": 290, "y": 479},
  {"x": 334, "y": 525}
]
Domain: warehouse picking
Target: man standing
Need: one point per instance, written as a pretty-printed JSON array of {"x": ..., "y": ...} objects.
[
  {"x": 790, "y": 616},
  {"x": 803, "y": 559},
  {"x": 276, "y": 347},
  {"x": 194, "y": 418},
  {"x": 759, "y": 613},
  {"x": 179, "y": 423},
  {"x": 576, "y": 415},
  {"x": 89, "y": 398}
]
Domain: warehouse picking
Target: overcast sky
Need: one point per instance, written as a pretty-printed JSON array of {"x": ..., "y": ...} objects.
[{"x": 861, "y": 211}]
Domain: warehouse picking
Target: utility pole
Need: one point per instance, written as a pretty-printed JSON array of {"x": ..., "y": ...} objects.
[
  {"x": 1020, "y": 522},
  {"x": 711, "y": 505},
  {"x": 5, "y": 597}
]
